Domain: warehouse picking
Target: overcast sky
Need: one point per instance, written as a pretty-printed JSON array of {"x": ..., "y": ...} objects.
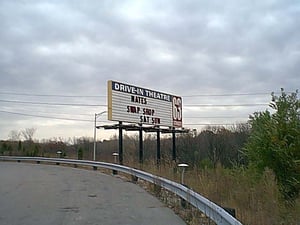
[{"x": 209, "y": 52}]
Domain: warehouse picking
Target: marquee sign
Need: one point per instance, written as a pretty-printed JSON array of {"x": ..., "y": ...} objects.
[{"x": 128, "y": 103}]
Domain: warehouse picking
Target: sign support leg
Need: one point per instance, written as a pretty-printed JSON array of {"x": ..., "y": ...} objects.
[
  {"x": 158, "y": 148},
  {"x": 141, "y": 150},
  {"x": 120, "y": 143},
  {"x": 174, "y": 145}
]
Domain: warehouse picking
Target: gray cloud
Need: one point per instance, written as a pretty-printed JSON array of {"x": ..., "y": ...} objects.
[{"x": 185, "y": 48}]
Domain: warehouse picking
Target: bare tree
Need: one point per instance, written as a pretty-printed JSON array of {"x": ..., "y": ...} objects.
[
  {"x": 28, "y": 133},
  {"x": 14, "y": 135}
]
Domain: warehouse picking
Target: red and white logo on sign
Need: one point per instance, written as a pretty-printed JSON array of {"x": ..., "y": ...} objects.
[{"x": 177, "y": 111}]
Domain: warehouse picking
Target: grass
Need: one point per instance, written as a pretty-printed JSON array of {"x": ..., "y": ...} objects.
[{"x": 256, "y": 200}]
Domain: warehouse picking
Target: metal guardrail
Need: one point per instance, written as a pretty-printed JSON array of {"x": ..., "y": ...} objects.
[{"x": 210, "y": 209}]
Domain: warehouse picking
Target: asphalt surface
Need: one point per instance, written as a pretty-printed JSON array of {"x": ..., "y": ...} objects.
[{"x": 36, "y": 194}]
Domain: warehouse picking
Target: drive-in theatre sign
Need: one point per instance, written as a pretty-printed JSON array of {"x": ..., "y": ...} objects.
[{"x": 128, "y": 103}]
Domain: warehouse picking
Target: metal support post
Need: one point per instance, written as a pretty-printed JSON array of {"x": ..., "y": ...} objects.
[
  {"x": 174, "y": 145},
  {"x": 120, "y": 143},
  {"x": 141, "y": 147},
  {"x": 158, "y": 147}
]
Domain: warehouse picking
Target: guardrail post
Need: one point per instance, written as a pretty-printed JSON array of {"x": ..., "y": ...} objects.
[
  {"x": 134, "y": 178},
  {"x": 157, "y": 186},
  {"x": 231, "y": 211}
]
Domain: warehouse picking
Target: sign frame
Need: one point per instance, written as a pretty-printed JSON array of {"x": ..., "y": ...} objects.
[{"x": 133, "y": 104}]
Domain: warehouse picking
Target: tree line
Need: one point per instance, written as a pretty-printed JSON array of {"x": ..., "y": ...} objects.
[{"x": 270, "y": 140}]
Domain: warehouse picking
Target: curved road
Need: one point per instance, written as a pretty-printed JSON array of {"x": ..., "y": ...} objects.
[{"x": 35, "y": 194}]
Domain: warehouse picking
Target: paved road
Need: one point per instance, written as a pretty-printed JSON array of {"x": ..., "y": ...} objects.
[{"x": 35, "y": 194}]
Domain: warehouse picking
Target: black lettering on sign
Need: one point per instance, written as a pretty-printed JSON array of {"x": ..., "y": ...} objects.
[
  {"x": 148, "y": 112},
  {"x": 155, "y": 120},
  {"x": 133, "y": 109},
  {"x": 150, "y": 120},
  {"x": 137, "y": 99},
  {"x": 144, "y": 119}
]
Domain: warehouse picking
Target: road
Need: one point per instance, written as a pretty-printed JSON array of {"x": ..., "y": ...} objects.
[{"x": 35, "y": 194}]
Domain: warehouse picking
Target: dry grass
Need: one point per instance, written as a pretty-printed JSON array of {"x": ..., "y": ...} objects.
[{"x": 257, "y": 201}]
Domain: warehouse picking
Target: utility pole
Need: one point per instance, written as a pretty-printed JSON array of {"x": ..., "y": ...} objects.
[{"x": 95, "y": 127}]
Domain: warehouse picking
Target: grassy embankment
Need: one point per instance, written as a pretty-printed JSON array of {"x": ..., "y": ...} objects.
[{"x": 257, "y": 201}]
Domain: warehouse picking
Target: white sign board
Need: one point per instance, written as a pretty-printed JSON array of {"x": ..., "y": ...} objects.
[{"x": 128, "y": 103}]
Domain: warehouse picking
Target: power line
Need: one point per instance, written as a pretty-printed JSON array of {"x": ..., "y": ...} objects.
[
  {"x": 213, "y": 117},
  {"x": 54, "y": 113},
  {"x": 53, "y": 95},
  {"x": 49, "y": 103},
  {"x": 86, "y": 120},
  {"x": 227, "y": 95},
  {"x": 212, "y": 124},
  {"x": 68, "y": 114},
  {"x": 235, "y": 94},
  {"x": 47, "y": 117},
  {"x": 226, "y": 105},
  {"x": 102, "y": 105},
  {"x": 81, "y": 114},
  {"x": 104, "y": 96}
]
